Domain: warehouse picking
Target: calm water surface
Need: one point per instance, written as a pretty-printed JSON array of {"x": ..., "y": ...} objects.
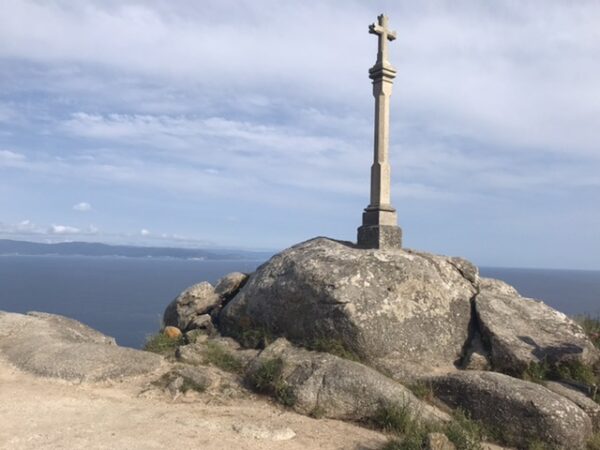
[
  {"x": 125, "y": 297},
  {"x": 122, "y": 297}
]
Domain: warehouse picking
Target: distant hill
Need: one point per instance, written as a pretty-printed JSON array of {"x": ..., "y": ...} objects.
[{"x": 10, "y": 247}]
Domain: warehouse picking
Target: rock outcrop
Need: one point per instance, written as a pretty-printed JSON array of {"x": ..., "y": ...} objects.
[
  {"x": 54, "y": 346},
  {"x": 325, "y": 385},
  {"x": 403, "y": 316},
  {"x": 403, "y": 311},
  {"x": 522, "y": 331},
  {"x": 189, "y": 306},
  {"x": 520, "y": 411},
  {"x": 198, "y": 305}
]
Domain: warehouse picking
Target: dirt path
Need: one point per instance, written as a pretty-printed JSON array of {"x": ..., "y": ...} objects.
[{"x": 41, "y": 413}]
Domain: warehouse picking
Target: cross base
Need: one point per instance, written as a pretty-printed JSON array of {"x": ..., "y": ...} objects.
[{"x": 380, "y": 236}]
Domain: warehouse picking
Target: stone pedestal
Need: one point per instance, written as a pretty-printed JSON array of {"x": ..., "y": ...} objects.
[{"x": 379, "y": 236}]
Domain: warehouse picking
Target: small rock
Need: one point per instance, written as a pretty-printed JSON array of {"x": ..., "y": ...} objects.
[
  {"x": 175, "y": 385},
  {"x": 190, "y": 354},
  {"x": 195, "y": 301},
  {"x": 196, "y": 336},
  {"x": 438, "y": 441},
  {"x": 476, "y": 357},
  {"x": 204, "y": 323},
  {"x": 263, "y": 432},
  {"x": 230, "y": 284},
  {"x": 172, "y": 332}
]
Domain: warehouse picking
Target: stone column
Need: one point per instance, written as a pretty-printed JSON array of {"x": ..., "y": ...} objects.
[{"x": 379, "y": 227}]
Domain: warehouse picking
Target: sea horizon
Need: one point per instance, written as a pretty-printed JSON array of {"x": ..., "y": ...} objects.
[{"x": 125, "y": 297}]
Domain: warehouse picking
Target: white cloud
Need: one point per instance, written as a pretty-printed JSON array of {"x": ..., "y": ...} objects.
[
  {"x": 82, "y": 207},
  {"x": 144, "y": 232},
  {"x": 11, "y": 159},
  {"x": 63, "y": 229}
]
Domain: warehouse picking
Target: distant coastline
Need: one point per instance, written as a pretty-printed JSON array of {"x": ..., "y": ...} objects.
[{"x": 10, "y": 247}]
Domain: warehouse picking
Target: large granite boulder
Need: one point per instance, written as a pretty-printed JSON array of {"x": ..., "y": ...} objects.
[
  {"x": 325, "y": 385},
  {"x": 521, "y": 331},
  {"x": 55, "y": 346},
  {"x": 519, "y": 411},
  {"x": 398, "y": 310}
]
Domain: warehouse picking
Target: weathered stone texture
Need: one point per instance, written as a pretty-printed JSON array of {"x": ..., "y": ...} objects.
[
  {"x": 339, "y": 388},
  {"x": 403, "y": 311},
  {"x": 55, "y": 346},
  {"x": 521, "y": 331},
  {"x": 591, "y": 408},
  {"x": 192, "y": 303},
  {"x": 520, "y": 411}
]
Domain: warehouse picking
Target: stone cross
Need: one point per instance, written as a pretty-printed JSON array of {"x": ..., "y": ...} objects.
[{"x": 379, "y": 226}]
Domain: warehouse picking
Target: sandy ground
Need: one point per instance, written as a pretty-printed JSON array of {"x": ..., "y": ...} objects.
[{"x": 42, "y": 413}]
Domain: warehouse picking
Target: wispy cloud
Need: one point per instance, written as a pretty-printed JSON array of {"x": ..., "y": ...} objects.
[{"x": 82, "y": 207}]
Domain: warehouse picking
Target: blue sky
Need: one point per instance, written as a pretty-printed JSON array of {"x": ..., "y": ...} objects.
[{"x": 249, "y": 124}]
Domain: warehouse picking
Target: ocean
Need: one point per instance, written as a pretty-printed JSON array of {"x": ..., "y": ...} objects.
[{"x": 125, "y": 297}]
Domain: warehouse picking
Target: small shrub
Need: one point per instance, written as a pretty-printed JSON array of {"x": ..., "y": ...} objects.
[
  {"x": 408, "y": 442},
  {"x": 333, "y": 346},
  {"x": 591, "y": 326},
  {"x": 255, "y": 337},
  {"x": 191, "y": 385},
  {"x": 268, "y": 379},
  {"x": 422, "y": 390},
  {"x": 218, "y": 356},
  {"x": 317, "y": 412},
  {"x": 575, "y": 371},
  {"x": 396, "y": 444},
  {"x": 394, "y": 418},
  {"x": 537, "y": 445},
  {"x": 537, "y": 372},
  {"x": 162, "y": 344},
  {"x": 566, "y": 370},
  {"x": 463, "y": 432}
]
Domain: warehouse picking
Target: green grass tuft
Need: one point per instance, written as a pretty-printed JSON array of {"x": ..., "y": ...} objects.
[
  {"x": 162, "y": 344},
  {"x": 394, "y": 418},
  {"x": 220, "y": 357},
  {"x": 464, "y": 433},
  {"x": 191, "y": 385},
  {"x": 591, "y": 326},
  {"x": 268, "y": 379},
  {"x": 422, "y": 390},
  {"x": 537, "y": 372},
  {"x": 333, "y": 346}
]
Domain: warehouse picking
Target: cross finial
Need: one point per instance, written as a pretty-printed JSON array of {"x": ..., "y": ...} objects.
[{"x": 384, "y": 34}]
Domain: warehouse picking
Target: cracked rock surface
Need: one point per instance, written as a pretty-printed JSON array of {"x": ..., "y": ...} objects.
[{"x": 387, "y": 306}]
